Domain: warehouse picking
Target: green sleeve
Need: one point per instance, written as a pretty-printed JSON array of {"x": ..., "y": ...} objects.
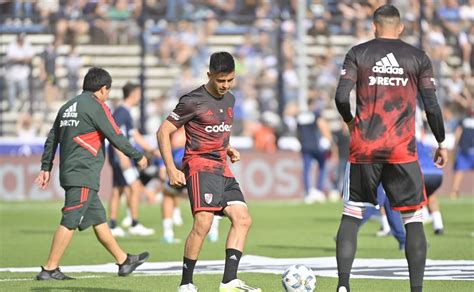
[
  {"x": 106, "y": 124},
  {"x": 50, "y": 146}
]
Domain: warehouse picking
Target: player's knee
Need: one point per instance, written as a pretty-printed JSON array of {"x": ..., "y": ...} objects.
[
  {"x": 202, "y": 225},
  {"x": 243, "y": 221}
]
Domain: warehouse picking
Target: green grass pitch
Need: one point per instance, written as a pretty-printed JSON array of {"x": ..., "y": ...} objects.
[{"x": 280, "y": 230}]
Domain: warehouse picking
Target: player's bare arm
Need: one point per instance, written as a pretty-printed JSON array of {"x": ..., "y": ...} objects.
[
  {"x": 138, "y": 138},
  {"x": 177, "y": 178},
  {"x": 233, "y": 154}
]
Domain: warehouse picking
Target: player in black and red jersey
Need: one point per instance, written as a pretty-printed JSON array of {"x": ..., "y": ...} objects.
[
  {"x": 207, "y": 114},
  {"x": 388, "y": 73}
]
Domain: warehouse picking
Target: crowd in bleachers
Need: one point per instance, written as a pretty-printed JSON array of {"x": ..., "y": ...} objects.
[{"x": 180, "y": 34}]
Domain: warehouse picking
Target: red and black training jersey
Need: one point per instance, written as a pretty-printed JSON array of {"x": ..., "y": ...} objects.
[
  {"x": 388, "y": 74},
  {"x": 207, "y": 122}
]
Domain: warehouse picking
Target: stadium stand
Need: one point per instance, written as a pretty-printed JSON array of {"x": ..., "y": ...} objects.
[{"x": 172, "y": 46}]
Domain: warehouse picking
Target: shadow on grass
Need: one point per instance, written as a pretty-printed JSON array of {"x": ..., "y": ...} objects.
[{"x": 76, "y": 289}]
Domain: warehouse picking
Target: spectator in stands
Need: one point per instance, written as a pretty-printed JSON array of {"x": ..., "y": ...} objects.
[
  {"x": 73, "y": 64},
  {"x": 457, "y": 91},
  {"x": 48, "y": 76},
  {"x": 18, "y": 64},
  {"x": 72, "y": 22},
  {"x": 26, "y": 128},
  {"x": 22, "y": 9},
  {"x": 450, "y": 16},
  {"x": 466, "y": 11},
  {"x": 123, "y": 28},
  {"x": 319, "y": 27},
  {"x": 98, "y": 22},
  {"x": 290, "y": 82},
  {"x": 466, "y": 39},
  {"x": 264, "y": 133},
  {"x": 266, "y": 14},
  {"x": 224, "y": 9},
  {"x": 46, "y": 10}
]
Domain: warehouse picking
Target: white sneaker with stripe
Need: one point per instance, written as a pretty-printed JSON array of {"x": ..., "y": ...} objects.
[{"x": 237, "y": 285}]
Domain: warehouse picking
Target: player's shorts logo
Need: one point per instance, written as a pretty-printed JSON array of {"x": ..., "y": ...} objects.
[
  {"x": 218, "y": 128},
  {"x": 208, "y": 198}
]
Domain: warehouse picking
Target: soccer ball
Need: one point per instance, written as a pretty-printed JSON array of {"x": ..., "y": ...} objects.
[{"x": 298, "y": 278}]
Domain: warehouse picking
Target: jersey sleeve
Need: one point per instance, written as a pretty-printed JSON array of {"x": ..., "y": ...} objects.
[
  {"x": 425, "y": 78},
  {"x": 349, "y": 67},
  {"x": 50, "y": 146},
  {"x": 105, "y": 123},
  {"x": 184, "y": 111}
]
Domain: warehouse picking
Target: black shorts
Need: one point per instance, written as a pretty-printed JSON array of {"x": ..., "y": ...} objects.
[
  {"x": 117, "y": 176},
  {"x": 212, "y": 192},
  {"x": 403, "y": 184},
  {"x": 432, "y": 183}
]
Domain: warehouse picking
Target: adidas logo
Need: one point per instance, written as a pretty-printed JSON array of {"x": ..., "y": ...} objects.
[
  {"x": 70, "y": 112},
  {"x": 389, "y": 65},
  {"x": 233, "y": 257}
]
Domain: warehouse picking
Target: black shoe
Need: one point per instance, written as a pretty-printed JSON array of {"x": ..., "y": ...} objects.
[
  {"x": 55, "y": 274},
  {"x": 131, "y": 263},
  {"x": 439, "y": 232}
]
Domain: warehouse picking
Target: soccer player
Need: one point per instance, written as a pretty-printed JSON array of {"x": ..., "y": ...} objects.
[
  {"x": 125, "y": 176},
  {"x": 464, "y": 152},
  {"x": 80, "y": 127},
  {"x": 388, "y": 73},
  {"x": 207, "y": 114},
  {"x": 316, "y": 140}
]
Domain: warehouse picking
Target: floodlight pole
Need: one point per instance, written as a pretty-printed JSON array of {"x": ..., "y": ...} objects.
[{"x": 301, "y": 56}]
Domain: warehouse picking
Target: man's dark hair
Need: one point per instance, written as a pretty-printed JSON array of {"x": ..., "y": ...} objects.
[
  {"x": 221, "y": 62},
  {"x": 95, "y": 79},
  {"x": 128, "y": 88},
  {"x": 386, "y": 14}
]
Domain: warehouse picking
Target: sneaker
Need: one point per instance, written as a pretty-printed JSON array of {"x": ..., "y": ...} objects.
[
  {"x": 117, "y": 232},
  {"x": 55, "y": 274},
  {"x": 171, "y": 240},
  {"x": 334, "y": 196},
  {"x": 382, "y": 233},
  {"x": 131, "y": 263},
  {"x": 342, "y": 289},
  {"x": 127, "y": 222},
  {"x": 188, "y": 288},
  {"x": 237, "y": 285},
  {"x": 141, "y": 230},
  {"x": 439, "y": 232},
  {"x": 314, "y": 196}
]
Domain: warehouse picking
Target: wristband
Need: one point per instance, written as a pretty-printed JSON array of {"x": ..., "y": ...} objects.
[
  {"x": 130, "y": 175},
  {"x": 442, "y": 145}
]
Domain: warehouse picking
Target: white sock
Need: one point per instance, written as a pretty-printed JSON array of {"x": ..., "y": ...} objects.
[
  {"x": 384, "y": 222},
  {"x": 176, "y": 212},
  {"x": 168, "y": 227},
  {"x": 215, "y": 225},
  {"x": 426, "y": 214},
  {"x": 437, "y": 220},
  {"x": 129, "y": 213}
]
